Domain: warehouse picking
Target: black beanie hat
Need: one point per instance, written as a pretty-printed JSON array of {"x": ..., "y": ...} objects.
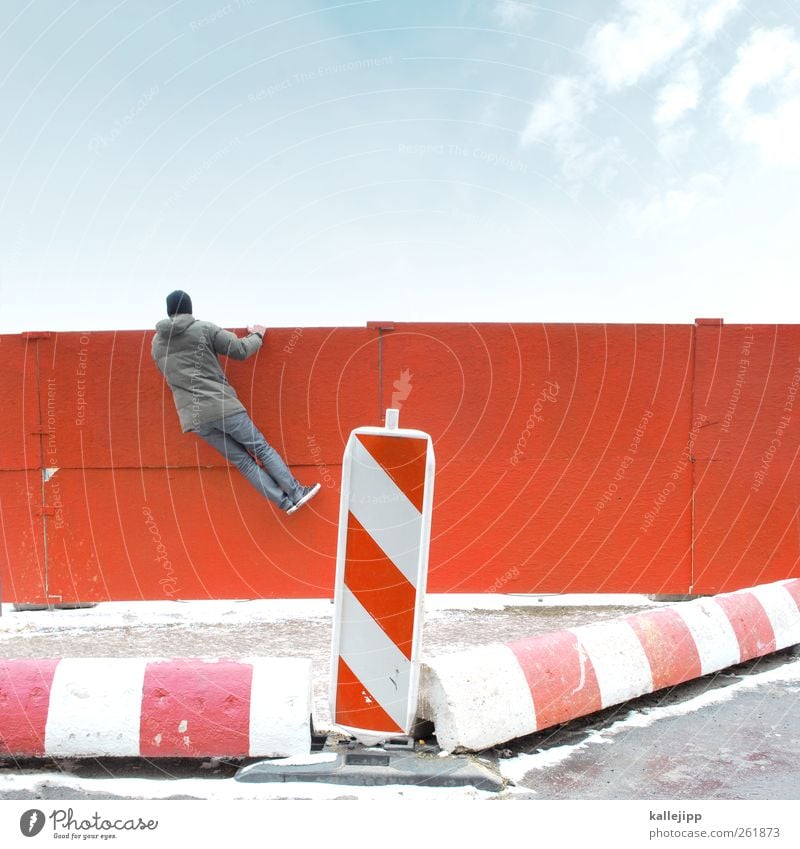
[{"x": 178, "y": 302}]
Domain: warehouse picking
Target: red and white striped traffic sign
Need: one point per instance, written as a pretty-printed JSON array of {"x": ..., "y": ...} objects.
[{"x": 381, "y": 570}]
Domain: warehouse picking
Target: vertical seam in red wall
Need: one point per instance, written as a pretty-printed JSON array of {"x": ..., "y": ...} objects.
[
  {"x": 43, "y": 499},
  {"x": 693, "y": 459},
  {"x": 380, "y": 375}
]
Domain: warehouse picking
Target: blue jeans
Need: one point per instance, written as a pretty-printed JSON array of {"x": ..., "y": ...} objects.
[{"x": 239, "y": 440}]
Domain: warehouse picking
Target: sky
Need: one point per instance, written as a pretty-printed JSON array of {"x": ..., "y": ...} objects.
[{"x": 299, "y": 164}]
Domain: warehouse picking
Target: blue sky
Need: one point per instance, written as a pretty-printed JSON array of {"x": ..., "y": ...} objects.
[{"x": 305, "y": 164}]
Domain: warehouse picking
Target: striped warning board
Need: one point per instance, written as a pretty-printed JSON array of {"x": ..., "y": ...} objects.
[{"x": 381, "y": 569}]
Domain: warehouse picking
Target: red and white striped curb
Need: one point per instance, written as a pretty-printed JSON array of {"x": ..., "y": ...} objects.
[
  {"x": 485, "y": 696},
  {"x": 137, "y": 707},
  {"x": 382, "y": 561}
]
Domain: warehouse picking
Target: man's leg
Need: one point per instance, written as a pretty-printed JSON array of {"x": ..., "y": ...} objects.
[
  {"x": 236, "y": 453},
  {"x": 240, "y": 427}
]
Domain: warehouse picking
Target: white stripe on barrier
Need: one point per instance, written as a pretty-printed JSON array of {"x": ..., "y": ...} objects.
[
  {"x": 618, "y": 658},
  {"x": 383, "y": 669},
  {"x": 782, "y": 613},
  {"x": 280, "y": 707},
  {"x": 370, "y": 490},
  {"x": 713, "y": 633},
  {"x": 490, "y": 680},
  {"x": 95, "y": 707}
]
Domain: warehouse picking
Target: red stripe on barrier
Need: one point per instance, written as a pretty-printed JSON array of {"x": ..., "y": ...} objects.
[
  {"x": 669, "y": 645},
  {"x": 793, "y": 588},
  {"x": 356, "y": 707},
  {"x": 380, "y": 586},
  {"x": 403, "y": 460},
  {"x": 750, "y": 624},
  {"x": 561, "y": 678},
  {"x": 24, "y": 704},
  {"x": 196, "y": 709}
]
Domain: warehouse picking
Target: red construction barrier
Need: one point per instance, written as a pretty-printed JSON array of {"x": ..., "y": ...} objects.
[
  {"x": 155, "y": 708},
  {"x": 572, "y": 458},
  {"x": 484, "y": 696}
]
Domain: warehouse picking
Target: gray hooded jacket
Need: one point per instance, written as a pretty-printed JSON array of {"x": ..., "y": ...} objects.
[{"x": 185, "y": 350}]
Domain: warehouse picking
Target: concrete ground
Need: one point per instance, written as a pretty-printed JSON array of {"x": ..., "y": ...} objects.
[{"x": 733, "y": 735}]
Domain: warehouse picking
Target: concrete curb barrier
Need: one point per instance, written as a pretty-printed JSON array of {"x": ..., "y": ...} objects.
[
  {"x": 489, "y": 695},
  {"x": 139, "y": 707}
]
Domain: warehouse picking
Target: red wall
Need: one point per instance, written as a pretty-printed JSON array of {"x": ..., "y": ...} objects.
[{"x": 570, "y": 458}]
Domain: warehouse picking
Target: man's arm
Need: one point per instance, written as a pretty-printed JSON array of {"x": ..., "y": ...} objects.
[
  {"x": 153, "y": 354},
  {"x": 230, "y": 345}
]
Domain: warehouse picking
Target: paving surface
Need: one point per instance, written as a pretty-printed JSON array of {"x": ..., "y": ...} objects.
[
  {"x": 732, "y": 735},
  {"x": 310, "y": 636}
]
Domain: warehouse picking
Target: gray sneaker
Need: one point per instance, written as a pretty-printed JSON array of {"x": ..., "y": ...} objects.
[{"x": 308, "y": 493}]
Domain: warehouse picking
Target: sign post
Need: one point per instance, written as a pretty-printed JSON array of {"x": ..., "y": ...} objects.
[{"x": 381, "y": 571}]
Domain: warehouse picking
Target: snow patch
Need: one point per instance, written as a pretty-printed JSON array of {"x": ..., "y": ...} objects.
[
  {"x": 228, "y": 789},
  {"x": 303, "y": 760},
  {"x": 496, "y": 601},
  {"x": 149, "y": 614}
]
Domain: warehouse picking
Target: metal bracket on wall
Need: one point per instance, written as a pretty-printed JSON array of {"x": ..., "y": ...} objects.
[{"x": 382, "y": 327}]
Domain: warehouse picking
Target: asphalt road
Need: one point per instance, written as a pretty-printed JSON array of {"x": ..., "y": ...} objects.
[{"x": 732, "y": 735}]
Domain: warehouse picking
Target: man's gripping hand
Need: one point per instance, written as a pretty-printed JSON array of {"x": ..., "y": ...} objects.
[{"x": 257, "y": 328}]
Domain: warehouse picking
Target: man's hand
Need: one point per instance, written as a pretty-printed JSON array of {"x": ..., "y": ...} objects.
[{"x": 257, "y": 328}]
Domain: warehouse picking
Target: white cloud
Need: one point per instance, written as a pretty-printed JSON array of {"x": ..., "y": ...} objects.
[
  {"x": 768, "y": 56},
  {"x": 557, "y": 120},
  {"x": 641, "y": 40},
  {"x": 769, "y": 64},
  {"x": 675, "y": 142},
  {"x": 672, "y": 205},
  {"x": 648, "y": 33},
  {"x": 713, "y": 17},
  {"x": 678, "y": 97},
  {"x": 511, "y": 13},
  {"x": 642, "y": 37},
  {"x": 560, "y": 113},
  {"x": 598, "y": 159}
]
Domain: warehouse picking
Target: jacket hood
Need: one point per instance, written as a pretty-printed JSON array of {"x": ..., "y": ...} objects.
[{"x": 174, "y": 326}]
